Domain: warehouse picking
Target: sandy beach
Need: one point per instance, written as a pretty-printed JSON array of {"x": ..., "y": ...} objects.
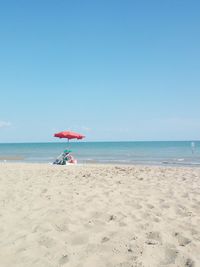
[{"x": 99, "y": 216}]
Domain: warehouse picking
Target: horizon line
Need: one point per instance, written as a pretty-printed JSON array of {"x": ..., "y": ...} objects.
[{"x": 100, "y": 141}]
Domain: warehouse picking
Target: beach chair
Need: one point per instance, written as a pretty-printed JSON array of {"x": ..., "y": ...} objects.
[{"x": 62, "y": 158}]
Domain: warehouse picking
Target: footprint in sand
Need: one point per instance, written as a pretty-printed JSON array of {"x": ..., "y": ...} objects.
[
  {"x": 184, "y": 261},
  {"x": 170, "y": 256},
  {"x": 150, "y": 206},
  {"x": 153, "y": 238},
  {"x": 61, "y": 227},
  {"x": 154, "y": 235},
  {"x": 112, "y": 218},
  {"x": 182, "y": 241},
  {"x": 156, "y": 219},
  {"x": 189, "y": 263},
  {"x": 63, "y": 260},
  {"x": 105, "y": 239}
]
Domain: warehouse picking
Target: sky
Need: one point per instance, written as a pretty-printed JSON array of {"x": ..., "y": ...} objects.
[{"x": 110, "y": 69}]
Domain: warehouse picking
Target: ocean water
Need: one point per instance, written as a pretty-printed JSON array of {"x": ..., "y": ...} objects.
[{"x": 154, "y": 153}]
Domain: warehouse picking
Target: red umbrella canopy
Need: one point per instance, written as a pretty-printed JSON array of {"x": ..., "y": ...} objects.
[{"x": 69, "y": 135}]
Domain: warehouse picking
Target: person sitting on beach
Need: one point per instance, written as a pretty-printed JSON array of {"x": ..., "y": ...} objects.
[{"x": 71, "y": 159}]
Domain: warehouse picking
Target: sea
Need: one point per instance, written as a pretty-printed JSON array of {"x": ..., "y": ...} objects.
[{"x": 176, "y": 153}]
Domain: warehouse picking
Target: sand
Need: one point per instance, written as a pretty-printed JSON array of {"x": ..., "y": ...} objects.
[{"x": 99, "y": 216}]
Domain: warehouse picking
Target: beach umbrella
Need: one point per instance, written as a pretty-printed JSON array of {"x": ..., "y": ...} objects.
[{"x": 69, "y": 135}]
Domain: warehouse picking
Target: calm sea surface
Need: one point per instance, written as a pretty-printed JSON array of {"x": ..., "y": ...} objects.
[{"x": 158, "y": 153}]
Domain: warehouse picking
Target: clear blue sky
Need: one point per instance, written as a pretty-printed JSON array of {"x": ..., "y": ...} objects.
[{"x": 110, "y": 69}]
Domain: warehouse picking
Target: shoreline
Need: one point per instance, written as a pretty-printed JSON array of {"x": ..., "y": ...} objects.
[{"x": 191, "y": 166}]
